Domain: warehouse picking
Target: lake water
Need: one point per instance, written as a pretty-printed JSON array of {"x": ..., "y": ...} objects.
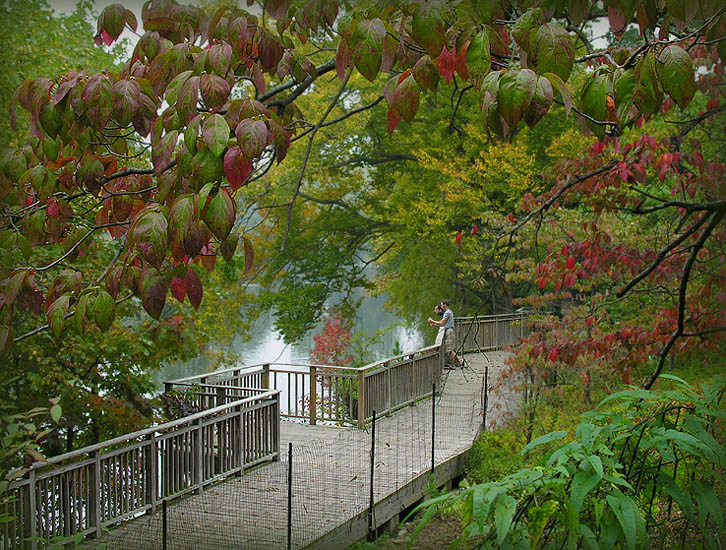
[{"x": 266, "y": 345}]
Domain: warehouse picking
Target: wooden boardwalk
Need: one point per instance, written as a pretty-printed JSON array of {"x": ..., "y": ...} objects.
[{"x": 331, "y": 476}]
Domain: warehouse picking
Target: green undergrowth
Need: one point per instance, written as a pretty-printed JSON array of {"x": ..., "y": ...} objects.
[{"x": 497, "y": 454}]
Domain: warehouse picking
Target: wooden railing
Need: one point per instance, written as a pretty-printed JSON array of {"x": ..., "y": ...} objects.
[
  {"x": 345, "y": 395},
  {"x": 490, "y": 332},
  {"x": 83, "y": 491}
]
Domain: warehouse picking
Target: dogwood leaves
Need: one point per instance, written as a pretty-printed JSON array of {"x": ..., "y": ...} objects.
[{"x": 367, "y": 47}]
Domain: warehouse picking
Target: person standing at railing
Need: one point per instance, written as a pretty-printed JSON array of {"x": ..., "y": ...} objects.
[
  {"x": 447, "y": 322},
  {"x": 440, "y": 334}
]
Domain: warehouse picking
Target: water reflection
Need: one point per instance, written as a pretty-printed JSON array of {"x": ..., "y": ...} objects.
[{"x": 266, "y": 345}]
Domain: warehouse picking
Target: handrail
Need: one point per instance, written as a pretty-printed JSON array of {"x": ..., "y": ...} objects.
[
  {"x": 147, "y": 431},
  {"x": 78, "y": 492}
]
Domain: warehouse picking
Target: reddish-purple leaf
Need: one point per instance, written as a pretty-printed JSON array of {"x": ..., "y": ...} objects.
[
  {"x": 218, "y": 57},
  {"x": 258, "y": 78},
  {"x": 228, "y": 246},
  {"x": 97, "y": 99},
  {"x": 178, "y": 289},
  {"x": 541, "y": 102},
  {"x": 425, "y": 73},
  {"x": 112, "y": 280},
  {"x": 252, "y": 136},
  {"x": 270, "y": 49},
  {"x": 148, "y": 234},
  {"x": 126, "y": 96},
  {"x": 215, "y": 90},
  {"x": 393, "y": 119},
  {"x": 280, "y": 140},
  {"x": 187, "y": 97},
  {"x": 162, "y": 151},
  {"x": 237, "y": 167},
  {"x": 153, "y": 287},
  {"x": 446, "y": 63},
  {"x": 343, "y": 59},
  {"x": 90, "y": 175},
  {"x": 193, "y": 287},
  {"x": 277, "y": 8},
  {"x": 249, "y": 255},
  {"x": 405, "y": 98}
]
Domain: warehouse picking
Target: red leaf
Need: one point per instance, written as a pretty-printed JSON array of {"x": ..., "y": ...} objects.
[
  {"x": 107, "y": 38},
  {"x": 193, "y": 288},
  {"x": 570, "y": 262},
  {"x": 542, "y": 283},
  {"x": 458, "y": 238},
  {"x": 237, "y": 167},
  {"x": 53, "y": 208},
  {"x": 178, "y": 289},
  {"x": 474, "y": 230},
  {"x": 393, "y": 119},
  {"x": 510, "y": 217},
  {"x": 446, "y": 63}
]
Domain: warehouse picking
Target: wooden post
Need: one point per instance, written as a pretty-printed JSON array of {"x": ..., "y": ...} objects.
[
  {"x": 242, "y": 439},
  {"x": 94, "y": 501},
  {"x": 313, "y": 395},
  {"x": 389, "y": 402},
  {"x": 32, "y": 526},
  {"x": 199, "y": 470},
  {"x": 168, "y": 386},
  {"x": 151, "y": 473},
  {"x": 361, "y": 399},
  {"x": 266, "y": 376}
]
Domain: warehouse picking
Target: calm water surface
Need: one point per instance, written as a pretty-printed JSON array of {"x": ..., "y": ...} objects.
[{"x": 266, "y": 345}]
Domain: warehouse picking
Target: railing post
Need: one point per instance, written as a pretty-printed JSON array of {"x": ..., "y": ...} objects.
[
  {"x": 313, "y": 395},
  {"x": 94, "y": 500},
  {"x": 199, "y": 452},
  {"x": 242, "y": 439},
  {"x": 168, "y": 386},
  {"x": 266, "y": 376},
  {"x": 389, "y": 398},
  {"x": 151, "y": 467},
  {"x": 33, "y": 524},
  {"x": 361, "y": 399}
]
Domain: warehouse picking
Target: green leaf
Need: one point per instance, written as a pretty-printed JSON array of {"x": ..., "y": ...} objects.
[
  {"x": 252, "y": 136},
  {"x": 478, "y": 56},
  {"x": 582, "y": 484},
  {"x": 708, "y": 504},
  {"x": 647, "y": 95},
  {"x": 674, "y": 491},
  {"x": 538, "y": 517},
  {"x": 55, "y": 413},
  {"x": 676, "y": 75},
  {"x": 56, "y": 314},
  {"x": 628, "y": 515},
  {"x": 623, "y": 88},
  {"x": 516, "y": 90},
  {"x": 561, "y": 87},
  {"x": 504, "y": 510},
  {"x": 181, "y": 217},
  {"x": 191, "y": 134},
  {"x": 368, "y": 47},
  {"x": 552, "y": 436},
  {"x": 552, "y": 50},
  {"x": 522, "y": 29},
  {"x": 219, "y": 215},
  {"x": 104, "y": 310},
  {"x": 216, "y": 134},
  {"x": 593, "y": 101},
  {"x": 427, "y": 28}
]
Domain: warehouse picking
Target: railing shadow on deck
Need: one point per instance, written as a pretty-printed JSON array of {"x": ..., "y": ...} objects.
[{"x": 237, "y": 427}]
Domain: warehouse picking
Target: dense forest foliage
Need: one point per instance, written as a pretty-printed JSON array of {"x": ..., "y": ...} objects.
[{"x": 564, "y": 156}]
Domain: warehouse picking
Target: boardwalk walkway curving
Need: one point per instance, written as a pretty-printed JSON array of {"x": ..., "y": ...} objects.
[{"x": 331, "y": 476}]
